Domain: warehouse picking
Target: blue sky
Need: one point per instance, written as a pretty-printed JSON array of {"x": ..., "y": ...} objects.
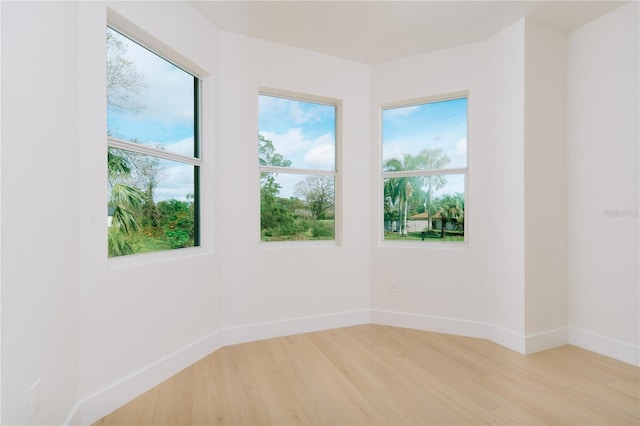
[
  {"x": 408, "y": 130},
  {"x": 443, "y": 124},
  {"x": 166, "y": 119},
  {"x": 302, "y": 132}
]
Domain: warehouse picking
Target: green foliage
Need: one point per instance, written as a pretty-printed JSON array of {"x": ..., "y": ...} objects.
[
  {"x": 118, "y": 243},
  {"x": 178, "y": 238},
  {"x": 138, "y": 224},
  {"x": 322, "y": 230},
  {"x": 318, "y": 193},
  {"x": 404, "y": 196},
  {"x": 286, "y": 219},
  {"x": 267, "y": 155},
  {"x": 453, "y": 236},
  {"x": 177, "y": 221},
  {"x": 450, "y": 208},
  {"x": 124, "y": 200},
  {"x": 125, "y": 83},
  {"x": 275, "y": 217}
]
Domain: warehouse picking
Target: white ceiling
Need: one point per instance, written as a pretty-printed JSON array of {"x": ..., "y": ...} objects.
[{"x": 378, "y": 31}]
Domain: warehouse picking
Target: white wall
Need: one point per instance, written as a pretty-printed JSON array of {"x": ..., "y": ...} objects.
[
  {"x": 40, "y": 199},
  {"x": 545, "y": 181},
  {"x": 98, "y": 332},
  {"x": 95, "y": 331},
  {"x": 304, "y": 285},
  {"x": 509, "y": 284},
  {"x": 474, "y": 289},
  {"x": 602, "y": 171},
  {"x": 142, "y": 318}
]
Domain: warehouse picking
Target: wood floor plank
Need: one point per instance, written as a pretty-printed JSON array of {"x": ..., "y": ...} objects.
[{"x": 379, "y": 375}]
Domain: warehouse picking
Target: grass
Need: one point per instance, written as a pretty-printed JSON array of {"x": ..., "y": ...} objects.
[
  {"x": 451, "y": 236},
  {"x": 316, "y": 230},
  {"x": 147, "y": 244}
]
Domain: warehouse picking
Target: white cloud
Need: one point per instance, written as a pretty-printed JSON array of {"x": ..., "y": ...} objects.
[
  {"x": 176, "y": 183},
  {"x": 321, "y": 156},
  {"x": 168, "y": 95},
  {"x": 318, "y": 153},
  {"x": 183, "y": 147},
  {"x": 455, "y": 184},
  {"x": 457, "y": 151},
  {"x": 459, "y": 154},
  {"x": 297, "y": 112},
  {"x": 287, "y": 144},
  {"x": 398, "y": 147},
  {"x": 288, "y": 184},
  {"x": 401, "y": 112}
]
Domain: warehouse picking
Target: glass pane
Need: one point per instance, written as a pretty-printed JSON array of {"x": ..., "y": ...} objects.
[
  {"x": 297, "y": 207},
  {"x": 419, "y": 207},
  {"x": 425, "y": 137},
  {"x": 152, "y": 204},
  {"x": 149, "y": 100},
  {"x": 302, "y": 133}
]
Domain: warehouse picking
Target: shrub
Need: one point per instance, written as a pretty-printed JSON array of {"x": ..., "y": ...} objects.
[{"x": 322, "y": 229}]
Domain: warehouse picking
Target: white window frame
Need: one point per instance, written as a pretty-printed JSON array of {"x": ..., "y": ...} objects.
[
  {"x": 335, "y": 173},
  {"x": 411, "y": 173},
  {"x": 195, "y": 161}
]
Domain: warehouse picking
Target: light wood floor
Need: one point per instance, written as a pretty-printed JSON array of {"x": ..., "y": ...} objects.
[{"x": 377, "y": 375}]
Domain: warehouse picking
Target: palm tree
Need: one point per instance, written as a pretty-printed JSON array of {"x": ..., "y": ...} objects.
[
  {"x": 432, "y": 159},
  {"x": 124, "y": 87},
  {"x": 124, "y": 200},
  {"x": 403, "y": 188},
  {"x": 400, "y": 188},
  {"x": 450, "y": 208}
]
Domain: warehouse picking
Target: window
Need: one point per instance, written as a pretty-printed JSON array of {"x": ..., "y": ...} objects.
[
  {"x": 153, "y": 151},
  {"x": 424, "y": 170},
  {"x": 298, "y": 172}
]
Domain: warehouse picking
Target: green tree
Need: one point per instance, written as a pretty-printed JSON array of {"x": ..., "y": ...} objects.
[
  {"x": 148, "y": 171},
  {"x": 450, "y": 208},
  {"x": 177, "y": 222},
  {"x": 267, "y": 155},
  {"x": 124, "y": 85},
  {"x": 406, "y": 192},
  {"x": 275, "y": 216},
  {"x": 400, "y": 189},
  {"x": 390, "y": 200},
  {"x": 123, "y": 200},
  {"x": 318, "y": 193},
  {"x": 432, "y": 159}
]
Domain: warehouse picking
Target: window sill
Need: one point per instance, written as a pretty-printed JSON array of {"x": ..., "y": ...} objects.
[
  {"x": 424, "y": 245},
  {"x": 278, "y": 245},
  {"x": 145, "y": 259}
]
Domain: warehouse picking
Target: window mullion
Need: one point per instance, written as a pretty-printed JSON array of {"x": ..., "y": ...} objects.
[
  {"x": 146, "y": 150},
  {"x": 411, "y": 173},
  {"x": 294, "y": 171}
]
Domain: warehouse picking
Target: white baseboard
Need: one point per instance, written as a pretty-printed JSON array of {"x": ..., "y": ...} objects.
[
  {"x": 546, "y": 340},
  {"x": 622, "y": 351},
  {"x": 101, "y": 403},
  {"x": 477, "y": 329},
  {"x": 268, "y": 330}
]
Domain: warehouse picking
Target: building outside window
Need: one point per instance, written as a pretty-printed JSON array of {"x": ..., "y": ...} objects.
[
  {"x": 424, "y": 170},
  {"x": 152, "y": 150}
]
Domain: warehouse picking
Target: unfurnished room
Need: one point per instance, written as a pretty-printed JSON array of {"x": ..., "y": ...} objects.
[{"x": 319, "y": 212}]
